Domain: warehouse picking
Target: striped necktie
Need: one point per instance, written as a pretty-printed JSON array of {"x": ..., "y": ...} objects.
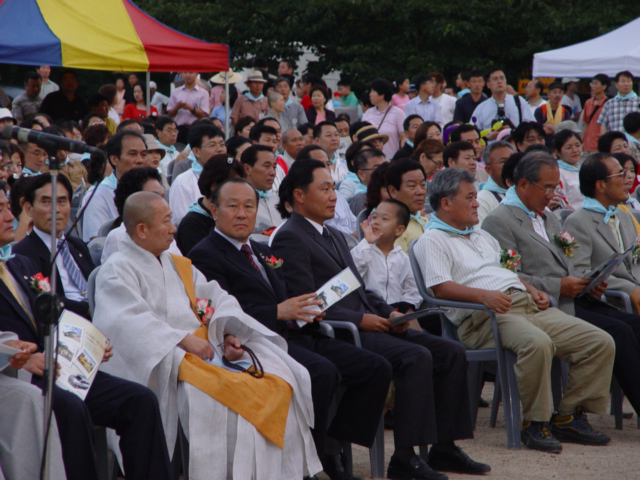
[
  {"x": 8, "y": 281},
  {"x": 72, "y": 269}
]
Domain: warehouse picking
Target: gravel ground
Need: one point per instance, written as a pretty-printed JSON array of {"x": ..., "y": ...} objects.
[{"x": 618, "y": 460}]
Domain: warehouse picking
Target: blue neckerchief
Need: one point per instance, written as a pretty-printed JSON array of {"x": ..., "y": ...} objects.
[
  {"x": 27, "y": 171},
  {"x": 631, "y": 139},
  {"x": 16, "y": 222},
  {"x": 629, "y": 96},
  {"x": 511, "y": 198},
  {"x": 409, "y": 142},
  {"x": 110, "y": 182},
  {"x": 264, "y": 193},
  {"x": 462, "y": 93},
  {"x": 66, "y": 160},
  {"x": 169, "y": 149},
  {"x": 436, "y": 223},
  {"x": 197, "y": 208},
  {"x": 85, "y": 156},
  {"x": 195, "y": 165},
  {"x": 335, "y": 158},
  {"x": 5, "y": 253},
  {"x": 288, "y": 103},
  {"x": 252, "y": 98},
  {"x": 567, "y": 166},
  {"x": 492, "y": 187},
  {"x": 629, "y": 200},
  {"x": 595, "y": 206},
  {"x": 360, "y": 187}
]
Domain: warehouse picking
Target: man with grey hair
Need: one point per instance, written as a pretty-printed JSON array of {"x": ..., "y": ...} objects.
[
  {"x": 493, "y": 190},
  {"x": 463, "y": 263},
  {"x": 546, "y": 264},
  {"x": 277, "y": 110},
  {"x": 292, "y": 143}
]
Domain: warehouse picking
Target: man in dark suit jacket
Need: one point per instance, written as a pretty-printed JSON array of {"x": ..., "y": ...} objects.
[
  {"x": 37, "y": 245},
  {"x": 259, "y": 286},
  {"x": 429, "y": 372},
  {"x": 131, "y": 409}
]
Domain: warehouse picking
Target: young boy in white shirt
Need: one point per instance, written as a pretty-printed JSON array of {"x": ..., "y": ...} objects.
[{"x": 383, "y": 266}]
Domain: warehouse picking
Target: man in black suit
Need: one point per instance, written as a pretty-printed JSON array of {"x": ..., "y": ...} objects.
[
  {"x": 429, "y": 372},
  {"x": 37, "y": 245},
  {"x": 258, "y": 284},
  {"x": 131, "y": 409}
]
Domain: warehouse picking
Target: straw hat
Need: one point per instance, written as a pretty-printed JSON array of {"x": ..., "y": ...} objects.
[
  {"x": 153, "y": 145},
  {"x": 369, "y": 133},
  {"x": 255, "y": 76},
  {"x": 221, "y": 77}
]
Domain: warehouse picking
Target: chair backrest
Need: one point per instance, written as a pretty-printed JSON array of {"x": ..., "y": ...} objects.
[
  {"x": 105, "y": 228},
  {"x": 95, "y": 247},
  {"x": 91, "y": 289},
  {"x": 359, "y": 219},
  {"x": 563, "y": 214}
]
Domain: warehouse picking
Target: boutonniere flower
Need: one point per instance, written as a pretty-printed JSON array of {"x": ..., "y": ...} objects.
[
  {"x": 204, "y": 310},
  {"x": 566, "y": 242},
  {"x": 509, "y": 259},
  {"x": 635, "y": 253},
  {"x": 272, "y": 262},
  {"x": 39, "y": 283}
]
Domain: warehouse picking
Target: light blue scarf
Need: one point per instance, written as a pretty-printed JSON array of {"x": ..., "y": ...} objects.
[
  {"x": 492, "y": 186},
  {"x": 409, "y": 142},
  {"x": 197, "y": 208},
  {"x": 5, "y": 253},
  {"x": 436, "y": 223},
  {"x": 252, "y": 98},
  {"x": 360, "y": 187},
  {"x": 629, "y": 96},
  {"x": 27, "y": 171},
  {"x": 195, "y": 165},
  {"x": 631, "y": 139},
  {"x": 567, "y": 166},
  {"x": 335, "y": 158},
  {"x": 595, "y": 206},
  {"x": 168, "y": 149},
  {"x": 288, "y": 103},
  {"x": 512, "y": 199},
  {"x": 110, "y": 182},
  {"x": 264, "y": 194}
]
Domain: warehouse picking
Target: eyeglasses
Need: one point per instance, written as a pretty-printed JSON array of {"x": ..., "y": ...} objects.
[
  {"x": 615, "y": 174},
  {"x": 438, "y": 165},
  {"x": 547, "y": 190}
]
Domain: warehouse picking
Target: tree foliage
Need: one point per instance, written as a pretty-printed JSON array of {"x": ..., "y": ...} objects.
[{"x": 385, "y": 38}]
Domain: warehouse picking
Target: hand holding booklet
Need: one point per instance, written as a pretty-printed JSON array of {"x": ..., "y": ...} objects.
[
  {"x": 6, "y": 352},
  {"x": 604, "y": 270},
  {"x": 334, "y": 290},
  {"x": 81, "y": 348}
]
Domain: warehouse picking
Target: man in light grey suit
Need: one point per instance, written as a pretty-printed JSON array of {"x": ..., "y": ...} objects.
[
  {"x": 21, "y": 432},
  {"x": 546, "y": 265},
  {"x": 601, "y": 228}
]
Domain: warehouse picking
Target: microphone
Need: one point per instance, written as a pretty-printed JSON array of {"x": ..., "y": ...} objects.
[{"x": 47, "y": 141}]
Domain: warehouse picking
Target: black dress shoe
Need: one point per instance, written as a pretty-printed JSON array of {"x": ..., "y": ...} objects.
[
  {"x": 413, "y": 469},
  {"x": 453, "y": 459},
  {"x": 333, "y": 466}
]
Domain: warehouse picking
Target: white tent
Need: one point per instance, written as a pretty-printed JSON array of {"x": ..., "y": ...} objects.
[{"x": 610, "y": 53}]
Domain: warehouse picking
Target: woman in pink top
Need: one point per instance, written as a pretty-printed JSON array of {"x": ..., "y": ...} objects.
[
  {"x": 401, "y": 97},
  {"x": 318, "y": 112},
  {"x": 384, "y": 116}
]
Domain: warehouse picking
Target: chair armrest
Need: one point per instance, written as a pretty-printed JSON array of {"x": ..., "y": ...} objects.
[
  {"x": 622, "y": 296},
  {"x": 326, "y": 329},
  {"x": 350, "y": 327}
]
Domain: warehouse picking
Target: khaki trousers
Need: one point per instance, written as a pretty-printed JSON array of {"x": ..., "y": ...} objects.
[{"x": 536, "y": 336}]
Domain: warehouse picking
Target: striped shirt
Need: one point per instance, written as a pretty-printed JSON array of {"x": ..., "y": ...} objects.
[{"x": 473, "y": 262}]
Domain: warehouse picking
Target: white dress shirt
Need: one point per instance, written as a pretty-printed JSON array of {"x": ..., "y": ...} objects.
[
  {"x": 389, "y": 276},
  {"x": 71, "y": 291},
  {"x": 473, "y": 262},
  {"x": 100, "y": 210},
  {"x": 184, "y": 191}
]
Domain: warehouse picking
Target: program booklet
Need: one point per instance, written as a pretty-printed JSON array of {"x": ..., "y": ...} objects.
[
  {"x": 604, "y": 270},
  {"x": 81, "y": 347},
  {"x": 6, "y": 352},
  {"x": 334, "y": 290}
]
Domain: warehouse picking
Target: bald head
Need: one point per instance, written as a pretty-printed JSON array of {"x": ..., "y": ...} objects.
[{"x": 140, "y": 207}]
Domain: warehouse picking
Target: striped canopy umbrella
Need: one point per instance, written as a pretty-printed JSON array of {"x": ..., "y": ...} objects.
[{"x": 100, "y": 35}]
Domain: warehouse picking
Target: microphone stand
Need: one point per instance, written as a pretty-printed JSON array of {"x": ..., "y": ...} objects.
[{"x": 47, "y": 308}]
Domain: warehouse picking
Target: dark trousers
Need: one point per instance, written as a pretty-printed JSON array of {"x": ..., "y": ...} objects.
[
  {"x": 625, "y": 330},
  {"x": 129, "y": 408},
  {"x": 430, "y": 378},
  {"x": 364, "y": 376}
]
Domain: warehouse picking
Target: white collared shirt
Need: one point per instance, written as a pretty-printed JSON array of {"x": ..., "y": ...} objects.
[
  {"x": 539, "y": 227},
  {"x": 238, "y": 245},
  {"x": 71, "y": 291},
  {"x": 473, "y": 262},
  {"x": 389, "y": 276}
]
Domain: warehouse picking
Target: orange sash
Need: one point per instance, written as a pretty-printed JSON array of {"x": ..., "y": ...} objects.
[{"x": 263, "y": 402}]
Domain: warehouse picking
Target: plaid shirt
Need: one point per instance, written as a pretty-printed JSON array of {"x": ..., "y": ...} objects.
[{"x": 614, "y": 111}]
